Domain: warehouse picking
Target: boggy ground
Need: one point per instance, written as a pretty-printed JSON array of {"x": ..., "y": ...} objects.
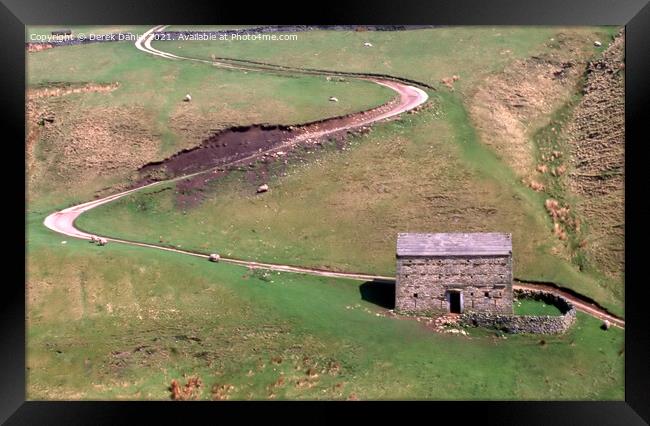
[
  {"x": 84, "y": 143},
  {"x": 232, "y": 145}
]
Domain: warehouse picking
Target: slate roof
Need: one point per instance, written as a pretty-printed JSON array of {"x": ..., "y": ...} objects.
[{"x": 454, "y": 244}]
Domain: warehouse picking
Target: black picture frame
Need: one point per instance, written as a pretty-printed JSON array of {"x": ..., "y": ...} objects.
[{"x": 634, "y": 14}]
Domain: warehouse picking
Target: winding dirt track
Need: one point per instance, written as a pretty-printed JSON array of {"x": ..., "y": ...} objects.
[{"x": 410, "y": 97}]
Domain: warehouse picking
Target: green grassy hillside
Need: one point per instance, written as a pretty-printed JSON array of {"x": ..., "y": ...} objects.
[
  {"x": 426, "y": 55},
  {"x": 343, "y": 209},
  {"x": 121, "y": 322},
  {"x": 144, "y": 118}
]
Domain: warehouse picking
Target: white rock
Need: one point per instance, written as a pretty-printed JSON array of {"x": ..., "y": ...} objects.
[{"x": 64, "y": 242}]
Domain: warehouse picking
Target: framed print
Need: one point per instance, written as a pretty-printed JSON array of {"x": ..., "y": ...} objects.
[{"x": 429, "y": 207}]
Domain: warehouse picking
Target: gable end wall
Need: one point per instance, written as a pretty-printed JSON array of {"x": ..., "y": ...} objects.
[{"x": 485, "y": 283}]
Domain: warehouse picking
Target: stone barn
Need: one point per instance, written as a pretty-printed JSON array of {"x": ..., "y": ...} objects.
[{"x": 454, "y": 273}]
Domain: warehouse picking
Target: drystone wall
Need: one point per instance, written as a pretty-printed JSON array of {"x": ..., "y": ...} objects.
[{"x": 538, "y": 324}]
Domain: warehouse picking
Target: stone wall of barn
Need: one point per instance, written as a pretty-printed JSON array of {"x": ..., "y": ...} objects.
[{"x": 423, "y": 284}]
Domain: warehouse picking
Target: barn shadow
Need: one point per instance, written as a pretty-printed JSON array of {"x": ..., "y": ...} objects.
[{"x": 379, "y": 292}]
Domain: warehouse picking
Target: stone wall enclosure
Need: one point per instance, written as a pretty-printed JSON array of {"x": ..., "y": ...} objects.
[{"x": 539, "y": 324}]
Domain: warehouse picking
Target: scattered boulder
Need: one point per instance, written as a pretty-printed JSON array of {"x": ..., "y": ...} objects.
[
  {"x": 262, "y": 188},
  {"x": 606, "y": 325}
]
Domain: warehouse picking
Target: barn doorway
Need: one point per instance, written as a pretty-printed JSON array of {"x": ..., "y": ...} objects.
[{"x": 455, "y": 305}]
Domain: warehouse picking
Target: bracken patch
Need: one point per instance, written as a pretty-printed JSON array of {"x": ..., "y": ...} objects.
[{"x": 507, "y": 106}]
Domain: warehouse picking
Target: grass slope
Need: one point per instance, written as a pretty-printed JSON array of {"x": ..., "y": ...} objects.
[
  {"x": 121, "y": 322},
  {"x": 147, "y": 109},
  {"x": 343, "y": 209},
  {"x": 426, "y": 55}
]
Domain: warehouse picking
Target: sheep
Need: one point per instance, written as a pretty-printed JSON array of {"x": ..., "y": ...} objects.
[
  {"x": 187, "y": 98},
  {"x": 102, "y": 241},
  {"x": 93, "y": 239},
  {"x": 366, "y": 44},
  {"x": 333, "y": 99},
  {"x": 262, "y": 188},
  {"x": 214, "y": 257}
]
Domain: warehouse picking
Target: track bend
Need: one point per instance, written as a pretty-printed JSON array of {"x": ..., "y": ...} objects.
[{"x": 410, "y": 97}]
